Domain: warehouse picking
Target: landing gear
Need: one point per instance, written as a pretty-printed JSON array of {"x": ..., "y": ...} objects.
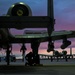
[
  {"x": 33, "y": 57},
  {"x": 35, "y": 46},
  {"x": 32, "y": 60},
  {"x": 8, "y": 54}
]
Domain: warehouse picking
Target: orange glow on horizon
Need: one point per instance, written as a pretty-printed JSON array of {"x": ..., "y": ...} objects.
[{"x": 44, "y": 51}]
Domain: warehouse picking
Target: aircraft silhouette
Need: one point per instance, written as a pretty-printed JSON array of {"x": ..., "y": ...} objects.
[
  {"x": 17, "y": 9},
  {"x": 25, "y": 19}
]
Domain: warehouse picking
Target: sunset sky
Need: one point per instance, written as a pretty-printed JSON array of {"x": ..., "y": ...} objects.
[{"x": 64, "y": 13}]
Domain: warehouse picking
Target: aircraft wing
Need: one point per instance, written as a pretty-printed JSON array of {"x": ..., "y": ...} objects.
[
  {"x": 58, "y": 35},
  {"x": 42, "y": 37}
]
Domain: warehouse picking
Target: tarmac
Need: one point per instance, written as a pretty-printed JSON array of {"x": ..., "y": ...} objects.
[
  {"x": 53, "y": 68},
  {"x": 38, "y": 70}
]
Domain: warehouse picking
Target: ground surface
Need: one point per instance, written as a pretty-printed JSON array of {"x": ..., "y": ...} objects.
[
  {"x": 49, "y": 68},
  {"x": 38, "y": 70}
]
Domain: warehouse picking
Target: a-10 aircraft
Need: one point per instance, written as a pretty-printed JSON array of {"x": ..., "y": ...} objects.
[
  {"x": 33, "y": 37},
  {"x": 30, "y": 36}
]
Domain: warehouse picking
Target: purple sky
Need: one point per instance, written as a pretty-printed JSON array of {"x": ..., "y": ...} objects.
[{"x": 64, "y": 13}]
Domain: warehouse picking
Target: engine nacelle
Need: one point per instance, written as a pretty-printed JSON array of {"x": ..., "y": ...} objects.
[{"x": 19, "y": 9}]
